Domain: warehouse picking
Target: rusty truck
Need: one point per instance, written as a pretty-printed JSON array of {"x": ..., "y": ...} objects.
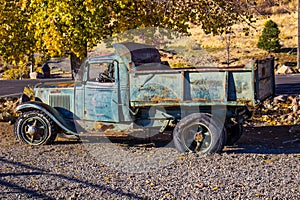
[{"x": 204, "y": 106}]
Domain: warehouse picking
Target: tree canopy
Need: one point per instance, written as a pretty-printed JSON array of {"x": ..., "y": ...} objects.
[
  {"x": 64, "y": 25},
  {"x": 55, "y": 27},
  {"x": 214, "y": 16},
  {"x": 16, "y": 39}
]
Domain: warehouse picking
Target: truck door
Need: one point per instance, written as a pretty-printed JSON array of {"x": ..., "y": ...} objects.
[{"x": 101, "y": 92}]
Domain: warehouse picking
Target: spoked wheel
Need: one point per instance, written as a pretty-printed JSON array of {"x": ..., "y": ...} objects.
[
  {"x": 34, "y": 128},
  {"x": 199, "y": 133},
  {"x": 197, "y": 137}
]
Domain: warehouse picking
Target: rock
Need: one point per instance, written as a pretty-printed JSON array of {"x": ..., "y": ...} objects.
[
  {"x": 196, "y": 47},
  {"x": 295, "y": 105},
  {"x": 295, "y": 108},
  {"x": 285, "y": 70},
  {"x": 295, "y": 101},
  {"x": 290, "y": 117},
  {"x": 280, "y": 98},
  {"x": 283, "y": 110},
  {"x": 290, "y": 98}
]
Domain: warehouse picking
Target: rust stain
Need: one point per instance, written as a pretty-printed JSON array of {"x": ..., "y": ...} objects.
[
  {"x": 200, "y": 99},
  {"x": 72, "y": 84},
  {"x": 55, "y": 92},
  {"x": 116, "y": 134},
  {"x": 244, "y": 101},
  {"x": 165, "y": 92},
  {"x": 103, "y": 127},
  {"x": 161, "y": 99},
  {"x": 54, "y": 85}
]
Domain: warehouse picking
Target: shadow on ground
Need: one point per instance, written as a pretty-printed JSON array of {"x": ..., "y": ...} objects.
[
  {"x": 259, "y": 140},
  {"x": 267, "y": 140}
]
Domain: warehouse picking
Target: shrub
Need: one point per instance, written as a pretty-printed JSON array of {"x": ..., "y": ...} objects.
[{"x": 269, "y": 39}]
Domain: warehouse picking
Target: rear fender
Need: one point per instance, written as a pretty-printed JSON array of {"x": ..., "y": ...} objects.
[{"x": 51, "y": 112}]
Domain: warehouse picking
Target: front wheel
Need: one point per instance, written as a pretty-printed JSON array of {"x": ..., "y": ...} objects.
[
  {"x": 199, "y": 133},
  {"x": 34, "y": 128}
]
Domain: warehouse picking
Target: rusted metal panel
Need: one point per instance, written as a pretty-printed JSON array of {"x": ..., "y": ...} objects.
[
  {"x": 264, "y": 68},
  {"x": 191, "y": 87},
  {"x": 207, "y": 86},
  {"x": 265, "y": 79},
  {"x": 265, "y": 88},
  {"x": 240, "y": 86},
  {"x": 158, "y": 87},
  {"x": 62, "y": 101},
  {"x": 57, "y": 95},
  {"x": 100, "y": 102}
]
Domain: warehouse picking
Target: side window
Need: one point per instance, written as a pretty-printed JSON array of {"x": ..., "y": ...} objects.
[
  {"x": 80, "y": 73},
  {"x": 101, "y": 72}
]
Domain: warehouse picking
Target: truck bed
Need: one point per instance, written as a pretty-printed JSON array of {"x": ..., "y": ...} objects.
[{"x": 236, "y": 86}]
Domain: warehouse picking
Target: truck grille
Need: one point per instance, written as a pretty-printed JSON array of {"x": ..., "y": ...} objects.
[{"x": 62, "y": 101}]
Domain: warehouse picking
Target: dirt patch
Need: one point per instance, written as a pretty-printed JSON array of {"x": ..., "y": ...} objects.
[
  {"x": 6, "y": 134},
  {"x": 273, "y": 137}
]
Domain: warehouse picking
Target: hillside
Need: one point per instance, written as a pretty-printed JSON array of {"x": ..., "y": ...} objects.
[{"x": 244, "y": 45}]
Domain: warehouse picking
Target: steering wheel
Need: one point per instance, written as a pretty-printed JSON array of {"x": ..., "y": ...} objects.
[{"x": 104, "y": 77}]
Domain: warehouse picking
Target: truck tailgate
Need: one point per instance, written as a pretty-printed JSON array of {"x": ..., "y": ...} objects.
[{"x": 265, "y": 79}]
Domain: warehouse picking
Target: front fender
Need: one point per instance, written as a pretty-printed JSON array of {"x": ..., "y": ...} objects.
[{"x": 51, "y": 112}]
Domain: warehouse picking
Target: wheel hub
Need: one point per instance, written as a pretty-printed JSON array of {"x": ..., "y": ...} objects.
[
  {"x": 198, "y": 137},
  {"x": 32, "y": 130}
]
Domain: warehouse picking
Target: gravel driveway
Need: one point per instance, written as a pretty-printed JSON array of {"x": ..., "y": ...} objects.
[{"x": 263, "y": 165}]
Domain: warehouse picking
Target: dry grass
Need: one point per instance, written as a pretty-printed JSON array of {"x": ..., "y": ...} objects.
[{"x": 243, "y": 46}]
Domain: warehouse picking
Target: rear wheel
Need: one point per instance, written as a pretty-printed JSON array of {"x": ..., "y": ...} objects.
[
  {"x": 34, "y": 128},
  {"x": 234, "y": 133},
  {"x": 199, "y": 133}
]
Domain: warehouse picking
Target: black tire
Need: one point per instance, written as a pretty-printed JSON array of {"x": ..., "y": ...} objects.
[
  {"x": 35, "y": 128},
  {"x": 199, "y": 133},
  {"x": 234, "y": 133}
]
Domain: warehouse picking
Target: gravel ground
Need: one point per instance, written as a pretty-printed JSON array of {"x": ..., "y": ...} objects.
[{"x": 260, "y": 166}]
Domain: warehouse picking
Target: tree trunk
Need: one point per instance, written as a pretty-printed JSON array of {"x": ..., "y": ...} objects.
[{"x": 77, "y": 61}]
